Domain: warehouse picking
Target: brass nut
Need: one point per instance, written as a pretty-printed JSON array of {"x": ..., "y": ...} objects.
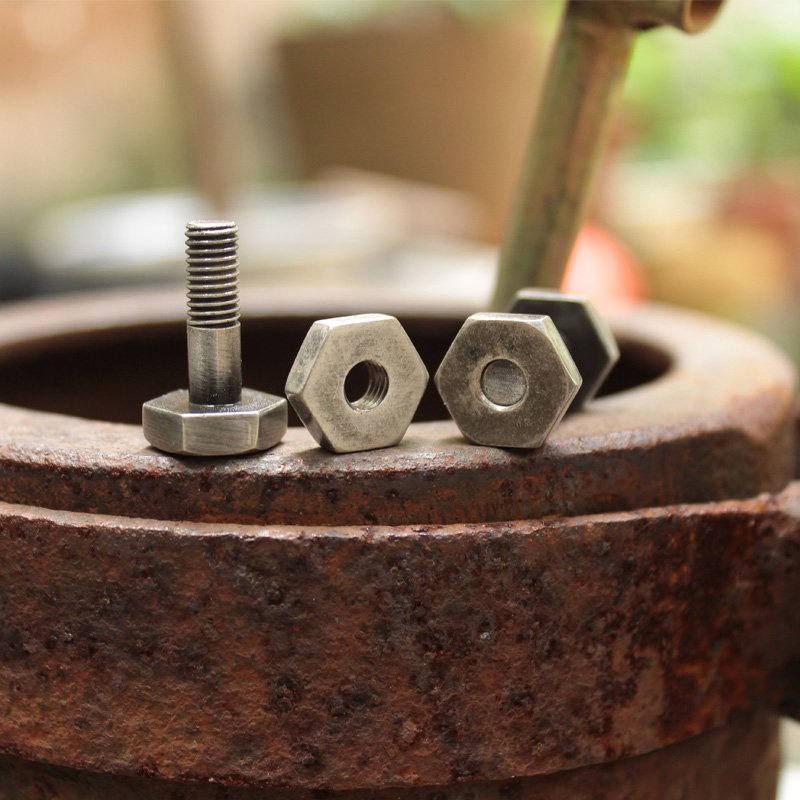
[
  {"x": 507, "y": 379},
  {"x": 396, "y": 380},
  {"x": 586, "y": 334}
]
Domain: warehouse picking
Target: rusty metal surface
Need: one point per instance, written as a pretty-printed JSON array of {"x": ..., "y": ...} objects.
[
  {"x": 374, "y": 620},
  {"x": 716, "y": 425},
  {"x": 736, "y": 762},
  {"x": 386, "y": 656}
]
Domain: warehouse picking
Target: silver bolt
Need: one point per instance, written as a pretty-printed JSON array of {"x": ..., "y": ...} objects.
[
  {"x": 213, "y": 331},
  {"x": 216, "y": 416}
]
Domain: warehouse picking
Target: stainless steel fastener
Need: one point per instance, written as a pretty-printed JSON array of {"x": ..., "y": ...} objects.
[
  {"x": 586, "y": 334},
  {"x": 216, "y": 416},
  {"x": 395, "y": 381},
  {"x": 507, "y": 379}
]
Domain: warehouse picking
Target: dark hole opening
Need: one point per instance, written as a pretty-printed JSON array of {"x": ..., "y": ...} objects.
[
  {"x": 366, "y": 385},
  {"x": 107, "y": 375}
]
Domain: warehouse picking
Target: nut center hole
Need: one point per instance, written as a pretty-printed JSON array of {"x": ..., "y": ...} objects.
[
  {"x": 503, "y": 382},
  {"x": 366, "y": 385}
]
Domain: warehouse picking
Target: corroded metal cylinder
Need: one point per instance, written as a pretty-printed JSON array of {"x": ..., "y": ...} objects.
[{"x": 612, "y": 613}]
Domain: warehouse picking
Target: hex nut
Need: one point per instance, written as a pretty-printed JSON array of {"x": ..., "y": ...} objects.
[
  {"x": 396, "y": 381},
  {"x": 507, "y": 379},
  {"x": 587, "y": 335},
  {"x": 257, "y": 422}
]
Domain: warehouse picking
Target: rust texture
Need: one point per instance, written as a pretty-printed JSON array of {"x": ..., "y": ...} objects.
[
  {"x": 431, "y": 615},
  {"x": 716, "y": 425},
  {"x": 353, "y": 657},
  {"x": 736, "y": 762}
]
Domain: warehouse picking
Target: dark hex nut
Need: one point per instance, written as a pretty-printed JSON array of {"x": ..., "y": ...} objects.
[{"x": 586, "y": 334}]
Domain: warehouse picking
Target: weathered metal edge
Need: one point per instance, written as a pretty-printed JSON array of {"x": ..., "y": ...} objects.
[
  {"x": 716, "y": 425},
  {"x": 366, "y": 657}
]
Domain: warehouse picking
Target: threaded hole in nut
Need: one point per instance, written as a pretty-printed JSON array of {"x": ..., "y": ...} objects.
[
  {"x": 503, "y": 382},
  {"x": 366, "y": 385}
]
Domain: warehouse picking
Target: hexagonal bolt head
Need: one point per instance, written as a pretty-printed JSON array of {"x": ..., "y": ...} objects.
[
  {"x": 507, "y": 379},
  {"x": 586, "y": 334},
  {"x": 396, "y": 380},
  {"x": 257, "y": 422}
]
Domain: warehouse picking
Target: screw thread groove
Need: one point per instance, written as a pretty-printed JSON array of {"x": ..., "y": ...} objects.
[
  {"x": 212, "y": 271},
  {"x": 377, "y": 387}
]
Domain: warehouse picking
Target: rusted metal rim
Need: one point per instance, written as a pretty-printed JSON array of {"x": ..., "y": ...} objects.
[
  {"x": 390, "y": 656},
  {"x": 330, "y": 654},
  {"x": 736, "y": 762},
  {"x": 714, "y": 426}
]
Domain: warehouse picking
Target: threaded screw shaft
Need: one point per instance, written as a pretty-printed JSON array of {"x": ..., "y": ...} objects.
[
  {"x": 213, "y": 333},
  {"x": 212, "y": 270}
]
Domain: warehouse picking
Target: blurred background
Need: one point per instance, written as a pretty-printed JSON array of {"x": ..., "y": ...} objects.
[{"x": 377, "y": 143}]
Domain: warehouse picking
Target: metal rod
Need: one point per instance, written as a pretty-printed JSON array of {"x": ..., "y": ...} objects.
[{"x": 582, "y": 87}]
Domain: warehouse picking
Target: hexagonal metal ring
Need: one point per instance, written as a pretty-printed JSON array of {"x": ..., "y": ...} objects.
[
  {"x": 396, "y": 380},
  {"x": 507, "y": 379},
  {"x": 257, "y": 422},
  {"x": 586, "y": 334}
]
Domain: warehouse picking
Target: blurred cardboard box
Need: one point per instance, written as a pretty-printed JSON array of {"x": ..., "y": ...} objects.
[{"x": 428, "y": 97}]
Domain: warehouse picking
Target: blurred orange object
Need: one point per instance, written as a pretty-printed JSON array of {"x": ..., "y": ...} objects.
[{"x": 603, "y": 269}]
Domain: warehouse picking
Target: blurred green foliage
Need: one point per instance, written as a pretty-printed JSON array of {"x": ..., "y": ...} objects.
[{"x": 729, "y": 96}]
